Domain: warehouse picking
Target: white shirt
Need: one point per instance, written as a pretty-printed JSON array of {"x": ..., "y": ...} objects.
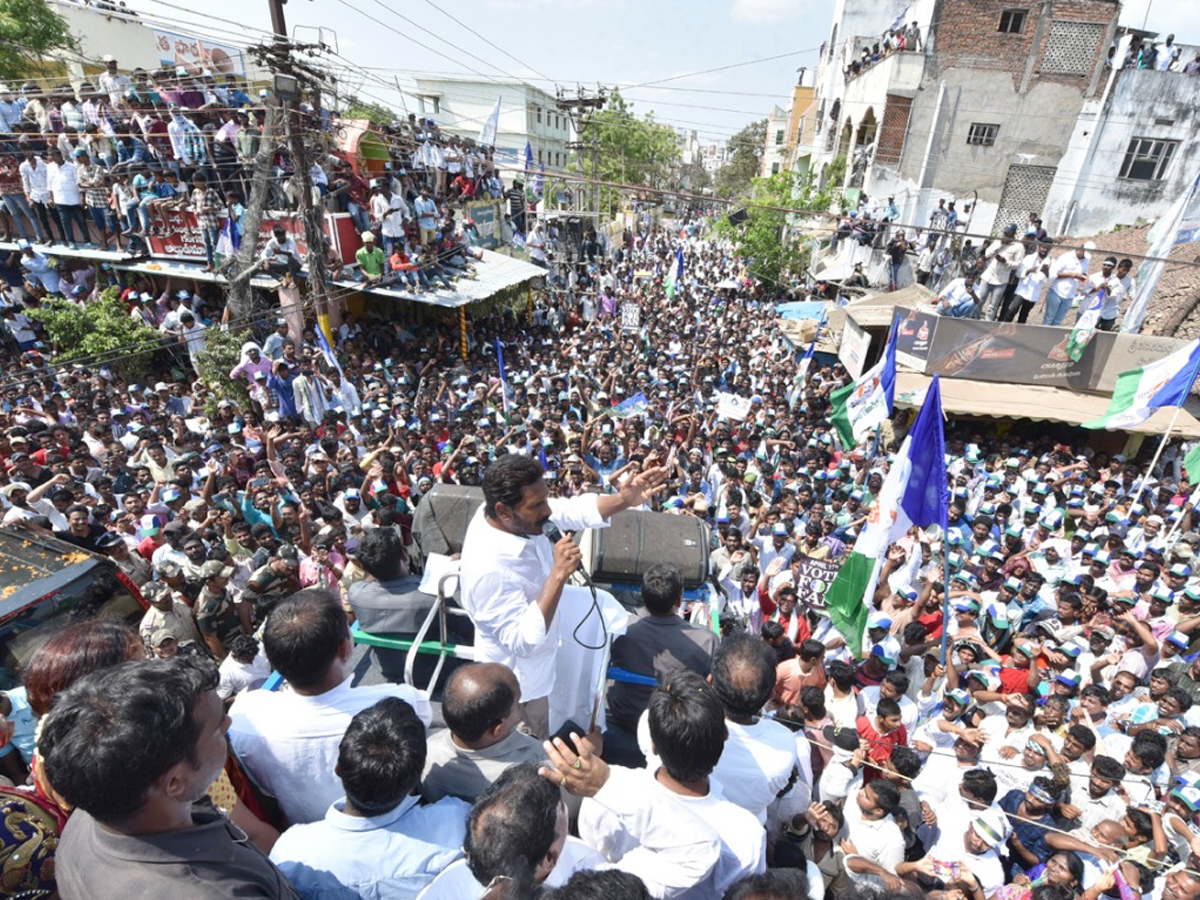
[
  {"x": 237, "y": 677},
  {"x": 1065, "y": 265},
  {"x": 502, "y": 575},
  {"x": 1033, "y": 279},
  {"x": 289, "y": 742},
  {"x": 63, "y": 185},
  {"x": 743, "y": 841},
  {"x": 757, "y": 764},
  {"x": 390, "y": 211},
  {"x": 986, "y": 866},
  {"x": 663, "y": 842},
  {"x": 879, "y": 841},
  {"x": 457, "y": 883}
]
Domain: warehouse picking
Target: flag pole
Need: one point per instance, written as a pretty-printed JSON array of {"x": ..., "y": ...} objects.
[{"x": 1157, "y": 453}]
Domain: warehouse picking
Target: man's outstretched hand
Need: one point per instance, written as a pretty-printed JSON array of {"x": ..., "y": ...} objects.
[{"x": 643, "y": 486}]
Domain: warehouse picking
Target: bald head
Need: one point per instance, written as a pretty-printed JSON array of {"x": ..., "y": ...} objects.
[
  {"x": 480, "y": 703},
  {"x": 743, "y": 674}
]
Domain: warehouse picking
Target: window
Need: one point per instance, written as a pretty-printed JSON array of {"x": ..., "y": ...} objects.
[
  {"x": 539, "y": 115},
  {"x": 982, "y": 135},
  {"x": 539, "y": 157},
  {"x": 1012, "y": 21},
  {"x": 779, "y": 137},
  {"x": 774, "y": 168},
  {"x": 1147, "y": 159}
]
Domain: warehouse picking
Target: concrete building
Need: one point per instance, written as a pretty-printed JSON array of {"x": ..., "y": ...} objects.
[
  {"x": 775, "y": 150},
  {"x": 689, "y": 146},
  {"x": 461, "y": 105},
  {"x": 802, "y": 123},
  {"x": 1133, "y": 151},
  {"x": 138, "y": 43},
  {"x": 713, "y": 157},
  {"x": 982, "y": 110}
]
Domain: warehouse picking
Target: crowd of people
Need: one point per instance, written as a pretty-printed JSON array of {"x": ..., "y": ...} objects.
[
  {"x": 104, "y": 165},
  {"x": 894, "y": 40},
  {"x": 1017, "y": 720}
]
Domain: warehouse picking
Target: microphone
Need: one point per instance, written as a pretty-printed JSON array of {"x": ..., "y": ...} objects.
[{"x": 550, "y": 530}]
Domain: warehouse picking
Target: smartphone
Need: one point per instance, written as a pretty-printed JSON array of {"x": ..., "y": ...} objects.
[{"x": 947, "y": 871}]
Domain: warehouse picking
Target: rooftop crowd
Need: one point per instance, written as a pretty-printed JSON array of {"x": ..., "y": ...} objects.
[{"x": 1053, "y": 754}]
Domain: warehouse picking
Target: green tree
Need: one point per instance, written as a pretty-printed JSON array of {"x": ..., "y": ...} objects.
[
  {"x": 765, "y": 239},
  {"x": 29, "y": 29},
  {"x": 376, "y": 113},
  {"x": 694, "y": 178},
  {"x": 222, "y": 351},
  {"x": 746, "y": 150},
  {"x": 632, "y": 150},
  {"x": 101, "y": 330}
]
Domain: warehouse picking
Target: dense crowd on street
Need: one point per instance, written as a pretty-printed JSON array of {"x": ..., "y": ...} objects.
[{"x": 1051, "y": 751}]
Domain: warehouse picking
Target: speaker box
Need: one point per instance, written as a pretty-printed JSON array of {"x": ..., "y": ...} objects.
[
  {"x": 638, "y": 539},
  {"x": 442, "y": 517}
]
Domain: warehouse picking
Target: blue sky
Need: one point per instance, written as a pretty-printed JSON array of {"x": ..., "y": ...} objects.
[
  {"x": 585, "y": 42},
  {"x": 614, "y": 42}
]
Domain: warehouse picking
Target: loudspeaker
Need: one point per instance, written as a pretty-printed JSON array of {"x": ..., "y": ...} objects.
[
  {"x": 442, "y": 517},
  {"x": 638, "y": 539}
]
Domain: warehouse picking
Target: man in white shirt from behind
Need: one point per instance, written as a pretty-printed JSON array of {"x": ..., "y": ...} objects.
[
  {"x": 517, "y": 831},
  {"x": 288, "y": 740},
  {"x": 688, "y": 734},
  {"x": 759, "y": 763}
]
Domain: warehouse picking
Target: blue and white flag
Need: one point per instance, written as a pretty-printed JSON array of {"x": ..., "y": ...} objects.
[
  {"x": 539, "y": 180},
  {"x": 503, "y": 377},
  {"x": 229, "y": 240},
  {"x": 1181, "y": 225},
  {"x": 326, "y": 350},
  {"x": 528, "y": 157},
  {"x": 674, "y": 273},
  {"x": 633, "y": 406}
]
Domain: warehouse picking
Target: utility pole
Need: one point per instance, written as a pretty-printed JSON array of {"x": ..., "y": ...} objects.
[
  {"x": 579, "y": 110},
  {"x": 281, "y": 61}
]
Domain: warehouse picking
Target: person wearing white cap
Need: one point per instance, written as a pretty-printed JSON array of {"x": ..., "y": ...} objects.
[
  {"x": 112, "y": 82},
  {"x": 967, "y": 861}
]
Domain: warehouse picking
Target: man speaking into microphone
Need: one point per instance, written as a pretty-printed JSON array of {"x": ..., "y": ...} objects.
[{"x": 512, "y": 576}]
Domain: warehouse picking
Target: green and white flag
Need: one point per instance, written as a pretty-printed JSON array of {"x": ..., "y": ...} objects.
[
  {"x": 859, "y": 408},
  {"x": 1085, "y": 326},
  {"x": 1139, "y": 392},
  {"x": 913, "y": 493}
]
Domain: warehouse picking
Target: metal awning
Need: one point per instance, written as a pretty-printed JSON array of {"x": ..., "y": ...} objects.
[{"x": 963, "y": 396}]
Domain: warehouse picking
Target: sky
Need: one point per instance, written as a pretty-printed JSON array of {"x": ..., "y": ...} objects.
[{"x": 650, "y": 47}]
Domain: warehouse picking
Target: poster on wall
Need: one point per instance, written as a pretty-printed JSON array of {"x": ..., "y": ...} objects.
[
  {"x": 180, "y": 51},
  {"x": 182, "y": 239},
  {"x": 485, "y": 214}
]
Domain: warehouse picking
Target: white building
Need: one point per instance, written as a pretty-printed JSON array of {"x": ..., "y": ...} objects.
[
  {"x": 1133, "y": 153},
  {"x": 461, "y": 106},
  {"x": 138, "y": 44},
  {"x": 777, "y": 145},
  {"x": 982, "y": 112}
]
